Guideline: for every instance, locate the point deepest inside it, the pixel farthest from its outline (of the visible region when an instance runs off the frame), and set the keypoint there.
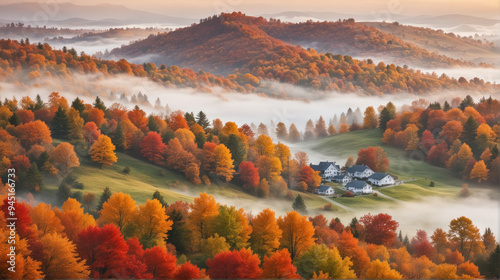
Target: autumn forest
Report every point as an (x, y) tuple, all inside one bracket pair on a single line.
[(244, 145)]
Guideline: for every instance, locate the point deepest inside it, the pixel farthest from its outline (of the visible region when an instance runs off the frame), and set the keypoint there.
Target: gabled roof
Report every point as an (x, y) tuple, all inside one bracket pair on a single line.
[(323, 188), (356, 184), (322, 166), (340, 177), (357, 168), (378, 176)]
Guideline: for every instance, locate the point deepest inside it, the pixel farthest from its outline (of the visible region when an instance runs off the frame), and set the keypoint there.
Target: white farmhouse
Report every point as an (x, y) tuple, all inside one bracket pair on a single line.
[(343, 179), (359, 187), (327, 170), (324, 190), (359, 171), (381, 179)]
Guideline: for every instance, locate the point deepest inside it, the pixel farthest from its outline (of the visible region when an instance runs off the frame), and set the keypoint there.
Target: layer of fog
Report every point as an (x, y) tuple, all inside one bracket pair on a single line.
[(228, 106), (248, 108)]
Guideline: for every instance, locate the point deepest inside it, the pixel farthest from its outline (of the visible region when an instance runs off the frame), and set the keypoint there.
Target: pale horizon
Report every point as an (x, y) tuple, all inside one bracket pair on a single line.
[(376, 8)]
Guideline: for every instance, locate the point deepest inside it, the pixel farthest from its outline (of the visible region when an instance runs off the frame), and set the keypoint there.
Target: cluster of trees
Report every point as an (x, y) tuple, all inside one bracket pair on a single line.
[(204, 239), (31, 62), (461, 136), (350, 121), (206, 46), (203, 151)]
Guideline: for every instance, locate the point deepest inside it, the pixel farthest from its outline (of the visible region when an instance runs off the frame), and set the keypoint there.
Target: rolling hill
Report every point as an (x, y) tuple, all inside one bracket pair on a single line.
[(236, 41), (448, 44)]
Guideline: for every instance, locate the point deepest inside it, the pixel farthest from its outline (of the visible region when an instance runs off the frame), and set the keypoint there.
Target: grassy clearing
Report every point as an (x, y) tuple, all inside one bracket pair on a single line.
[(403, 164), (145, 178)]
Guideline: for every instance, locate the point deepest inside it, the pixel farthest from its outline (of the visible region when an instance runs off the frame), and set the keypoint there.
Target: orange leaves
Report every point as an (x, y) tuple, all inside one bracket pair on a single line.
[(279, 266), (103, 151), (297, 233), (64, 157), (31, 133)]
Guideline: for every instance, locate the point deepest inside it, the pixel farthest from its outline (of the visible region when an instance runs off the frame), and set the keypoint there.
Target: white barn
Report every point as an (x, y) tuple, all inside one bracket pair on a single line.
[(327, 170), (381, 179), (360, 171), (324, 190), (343, 179), (359, 187)]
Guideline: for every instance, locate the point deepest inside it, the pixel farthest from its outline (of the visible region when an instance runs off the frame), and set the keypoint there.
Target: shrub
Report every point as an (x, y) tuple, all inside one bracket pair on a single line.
[(70, 179), (77, 195), (348, 194), (328, 207), (163, 173), (289, 195), (432, 184), (375, 194), (205, 180), (126, 170), (78, 185), (464, 191)]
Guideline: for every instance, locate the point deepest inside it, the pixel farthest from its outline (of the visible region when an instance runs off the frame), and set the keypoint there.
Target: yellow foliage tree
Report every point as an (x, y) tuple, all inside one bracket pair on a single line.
[(224, 167), (444, 271), (203, 209), (60, 259), (119, 210), (381, 270), (73, 218), (152, 223), (103, 151), (479, 172), (297, 233), (265, 145), (45, 219), (266, 233)]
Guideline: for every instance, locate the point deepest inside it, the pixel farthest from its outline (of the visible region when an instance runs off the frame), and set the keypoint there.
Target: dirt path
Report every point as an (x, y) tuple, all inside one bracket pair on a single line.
[(336, 203)]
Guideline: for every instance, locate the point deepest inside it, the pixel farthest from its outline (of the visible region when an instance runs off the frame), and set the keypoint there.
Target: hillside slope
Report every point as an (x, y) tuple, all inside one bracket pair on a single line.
[(360, 40), (448, 44)]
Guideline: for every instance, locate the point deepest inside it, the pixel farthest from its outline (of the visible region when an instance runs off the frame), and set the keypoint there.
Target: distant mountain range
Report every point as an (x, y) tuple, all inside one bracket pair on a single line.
[(68, 14)]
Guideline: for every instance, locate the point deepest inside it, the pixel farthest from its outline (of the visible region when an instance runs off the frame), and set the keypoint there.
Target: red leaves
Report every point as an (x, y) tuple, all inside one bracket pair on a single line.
[(105, 251), (160, 263), (379, 229), (153, 148), (234, 264), (248, 175)]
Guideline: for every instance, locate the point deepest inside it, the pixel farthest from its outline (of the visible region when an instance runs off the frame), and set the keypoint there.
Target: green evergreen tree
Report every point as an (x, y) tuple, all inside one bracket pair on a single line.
[(39, 104), (152, 125), (63, 193), (387, 114), (469, 131), (200, 139), (106, 194), (435, 106), (467, 102), (60, 124), (354, 229), (118, 138), (104, 129), (493, 264), (14, 119), (158, 196), (446, 106), (202, 120), (237, 148), (77, 104), (99, 104), (78, 195), (34, 177), (189, 118), (42, 159), (167, 136), (299, 205)]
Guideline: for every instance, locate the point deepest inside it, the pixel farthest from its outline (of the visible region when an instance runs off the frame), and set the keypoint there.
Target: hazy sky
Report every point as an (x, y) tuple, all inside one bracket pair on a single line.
[(198, 8)]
